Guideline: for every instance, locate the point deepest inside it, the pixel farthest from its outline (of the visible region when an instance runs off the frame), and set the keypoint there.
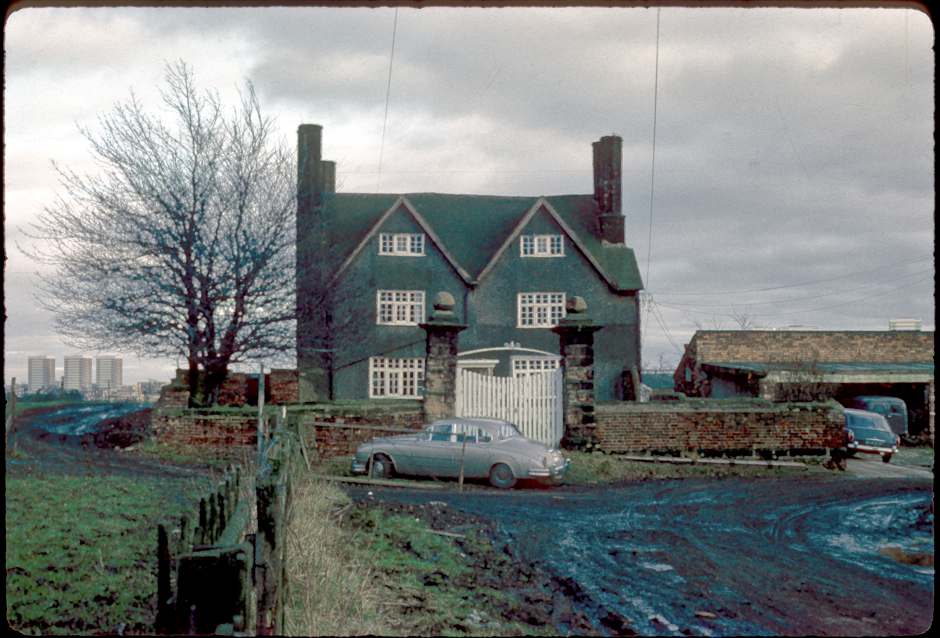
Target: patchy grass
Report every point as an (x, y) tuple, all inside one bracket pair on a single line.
[(81, 551), (594, 469), (332, 592), (921, 457), (591, 469), (354, 572), (193, 454)]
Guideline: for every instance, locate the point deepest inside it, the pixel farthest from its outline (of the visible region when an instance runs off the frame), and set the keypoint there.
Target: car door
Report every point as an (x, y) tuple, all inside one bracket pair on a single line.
[(432, 452), (475, 454)]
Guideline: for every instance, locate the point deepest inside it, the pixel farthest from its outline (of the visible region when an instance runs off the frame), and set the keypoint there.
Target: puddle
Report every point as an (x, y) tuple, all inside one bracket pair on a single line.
[(914, 559)]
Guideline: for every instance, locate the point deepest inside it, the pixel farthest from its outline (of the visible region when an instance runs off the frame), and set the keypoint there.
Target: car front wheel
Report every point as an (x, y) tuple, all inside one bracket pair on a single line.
[(886, 458), (381, 466), (501, 476)]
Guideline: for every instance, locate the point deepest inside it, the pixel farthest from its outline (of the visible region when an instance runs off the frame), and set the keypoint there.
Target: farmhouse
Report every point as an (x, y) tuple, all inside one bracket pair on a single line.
[(370, 265)]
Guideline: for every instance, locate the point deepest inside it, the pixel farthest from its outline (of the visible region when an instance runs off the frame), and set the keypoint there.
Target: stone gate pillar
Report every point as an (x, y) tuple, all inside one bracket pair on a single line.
[(576, 341), (440, 368)]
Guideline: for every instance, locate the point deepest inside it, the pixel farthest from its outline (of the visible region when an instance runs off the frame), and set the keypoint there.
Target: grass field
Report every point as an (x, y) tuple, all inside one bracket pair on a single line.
[(80, 551)]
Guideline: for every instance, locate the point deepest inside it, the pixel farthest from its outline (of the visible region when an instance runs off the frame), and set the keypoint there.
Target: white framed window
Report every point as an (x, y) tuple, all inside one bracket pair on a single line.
[(396, 377), (406, 244), (543, 246), (540, 309), (400, 307), (524, 366)]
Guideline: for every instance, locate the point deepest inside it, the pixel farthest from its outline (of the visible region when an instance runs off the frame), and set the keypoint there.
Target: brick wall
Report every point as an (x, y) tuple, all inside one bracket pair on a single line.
[(282, 386), (722, 427), (216, 429), (227, 428), (725, 346), (336, 442)]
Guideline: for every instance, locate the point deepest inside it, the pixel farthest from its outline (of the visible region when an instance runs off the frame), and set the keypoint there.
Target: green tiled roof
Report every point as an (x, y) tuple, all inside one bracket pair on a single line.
[(472, 228)]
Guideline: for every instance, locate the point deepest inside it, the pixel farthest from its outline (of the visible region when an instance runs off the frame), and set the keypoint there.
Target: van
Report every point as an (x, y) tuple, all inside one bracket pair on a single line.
[(894, 410)]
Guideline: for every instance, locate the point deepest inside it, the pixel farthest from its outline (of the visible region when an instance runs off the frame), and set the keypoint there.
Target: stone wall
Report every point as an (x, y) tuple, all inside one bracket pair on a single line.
[(719, 427)]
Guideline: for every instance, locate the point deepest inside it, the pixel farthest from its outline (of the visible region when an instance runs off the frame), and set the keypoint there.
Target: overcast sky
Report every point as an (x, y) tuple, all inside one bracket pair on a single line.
[(778, 163)]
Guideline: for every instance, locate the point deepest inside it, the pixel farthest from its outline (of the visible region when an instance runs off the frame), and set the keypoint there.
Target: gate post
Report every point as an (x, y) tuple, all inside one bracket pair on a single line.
[(440, 368), (576, 340)]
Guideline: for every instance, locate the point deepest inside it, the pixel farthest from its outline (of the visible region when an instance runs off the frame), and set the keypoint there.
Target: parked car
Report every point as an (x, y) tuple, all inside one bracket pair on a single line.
[(494, 449), (894, 410), (869, 433)]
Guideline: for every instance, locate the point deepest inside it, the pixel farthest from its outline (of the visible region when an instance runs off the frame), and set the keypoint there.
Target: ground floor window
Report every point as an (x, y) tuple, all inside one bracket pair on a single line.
[(396, 377)]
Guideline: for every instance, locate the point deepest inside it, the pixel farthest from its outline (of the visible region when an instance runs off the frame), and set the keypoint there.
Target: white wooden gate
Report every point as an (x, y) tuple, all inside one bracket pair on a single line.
[(532, 402)]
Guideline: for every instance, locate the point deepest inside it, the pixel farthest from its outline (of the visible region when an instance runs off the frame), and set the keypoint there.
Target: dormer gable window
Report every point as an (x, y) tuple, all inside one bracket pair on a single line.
[(543, 246), (402, 244)]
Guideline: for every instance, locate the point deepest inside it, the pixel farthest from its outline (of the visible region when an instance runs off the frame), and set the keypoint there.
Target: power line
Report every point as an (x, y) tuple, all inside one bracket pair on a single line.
[(828, 294), (808, 283), (799, 312), (388, 93), (649, 242)]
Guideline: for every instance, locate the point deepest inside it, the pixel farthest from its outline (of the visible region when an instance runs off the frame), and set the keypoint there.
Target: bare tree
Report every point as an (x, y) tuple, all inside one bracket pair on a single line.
[(183, 243), (801, 381), (744, 318)]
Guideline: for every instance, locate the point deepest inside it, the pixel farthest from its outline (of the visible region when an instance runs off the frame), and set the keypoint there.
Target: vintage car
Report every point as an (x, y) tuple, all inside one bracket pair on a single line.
[(894, 410), (869, 433), (488, 448)]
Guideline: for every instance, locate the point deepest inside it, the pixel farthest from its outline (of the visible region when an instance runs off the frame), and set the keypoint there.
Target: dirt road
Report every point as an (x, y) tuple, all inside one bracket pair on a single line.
[(726, 557)]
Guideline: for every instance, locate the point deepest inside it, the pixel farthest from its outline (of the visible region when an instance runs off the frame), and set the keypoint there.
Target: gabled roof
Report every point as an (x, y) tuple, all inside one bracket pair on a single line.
[(473, 230)]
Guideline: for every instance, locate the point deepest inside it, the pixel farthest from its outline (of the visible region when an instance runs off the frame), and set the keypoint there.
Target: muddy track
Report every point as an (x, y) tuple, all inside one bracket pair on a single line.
[(738, 556), (51, 446)]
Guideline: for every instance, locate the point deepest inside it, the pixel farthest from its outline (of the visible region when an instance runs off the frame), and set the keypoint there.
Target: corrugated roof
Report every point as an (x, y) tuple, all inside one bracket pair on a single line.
[(473, 227)]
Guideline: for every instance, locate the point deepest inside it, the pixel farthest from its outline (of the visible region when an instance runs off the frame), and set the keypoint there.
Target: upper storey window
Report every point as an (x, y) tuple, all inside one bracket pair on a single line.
[(543, 246), (406, 244)]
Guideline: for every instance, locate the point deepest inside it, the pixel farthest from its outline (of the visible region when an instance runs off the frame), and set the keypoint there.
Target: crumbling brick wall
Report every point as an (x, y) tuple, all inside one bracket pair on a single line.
[(226, 428), (721, 427), (282, 386), (332, 442), (221, 429)]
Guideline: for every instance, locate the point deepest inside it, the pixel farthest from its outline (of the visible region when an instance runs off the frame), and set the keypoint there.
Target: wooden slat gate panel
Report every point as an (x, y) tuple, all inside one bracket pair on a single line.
[(532, 402)]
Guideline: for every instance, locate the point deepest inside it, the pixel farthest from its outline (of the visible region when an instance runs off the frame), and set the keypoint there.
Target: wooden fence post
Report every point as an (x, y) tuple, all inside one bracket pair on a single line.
[(164, 568), (267, 567)]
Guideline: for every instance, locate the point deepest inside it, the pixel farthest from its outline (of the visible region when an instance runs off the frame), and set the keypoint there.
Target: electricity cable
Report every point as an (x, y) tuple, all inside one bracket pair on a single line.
[(808, 283), (388, 93), (828, 294), (798, 312)]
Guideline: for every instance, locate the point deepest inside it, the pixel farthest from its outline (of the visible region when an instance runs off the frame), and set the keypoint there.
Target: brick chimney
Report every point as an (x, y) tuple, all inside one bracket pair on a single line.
[(315, 178), (607, 188)]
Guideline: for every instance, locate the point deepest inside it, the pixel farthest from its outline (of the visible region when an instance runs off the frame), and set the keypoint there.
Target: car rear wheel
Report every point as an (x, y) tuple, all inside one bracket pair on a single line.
[(381, 466), (501, 476), (886, 458)]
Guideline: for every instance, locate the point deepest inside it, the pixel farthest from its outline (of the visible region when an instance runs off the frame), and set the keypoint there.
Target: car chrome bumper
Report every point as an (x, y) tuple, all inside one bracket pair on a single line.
[(871, 449), (549, 471), (358, 467)]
